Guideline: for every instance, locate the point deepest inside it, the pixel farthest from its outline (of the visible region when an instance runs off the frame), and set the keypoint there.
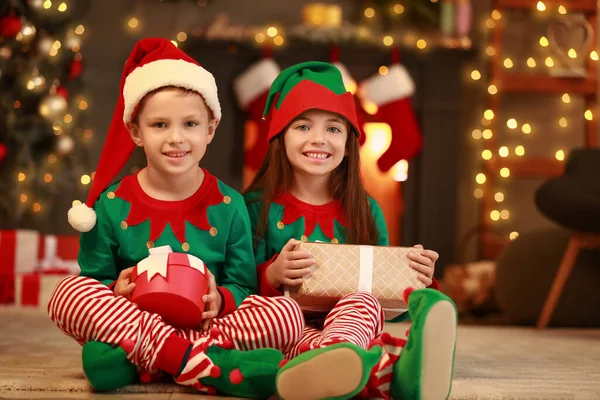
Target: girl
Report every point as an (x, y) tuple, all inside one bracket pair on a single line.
[(309, 188)]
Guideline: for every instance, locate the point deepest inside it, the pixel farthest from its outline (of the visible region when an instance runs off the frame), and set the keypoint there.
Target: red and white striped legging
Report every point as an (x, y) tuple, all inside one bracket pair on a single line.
[(87, 310), (357, 318)]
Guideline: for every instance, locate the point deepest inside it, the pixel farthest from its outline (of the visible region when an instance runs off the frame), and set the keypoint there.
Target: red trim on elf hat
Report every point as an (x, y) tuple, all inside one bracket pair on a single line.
[(309, 95), (153, 63)]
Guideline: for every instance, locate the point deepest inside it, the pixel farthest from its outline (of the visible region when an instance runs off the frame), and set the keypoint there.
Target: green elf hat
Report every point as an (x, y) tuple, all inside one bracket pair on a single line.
[(307, 86)]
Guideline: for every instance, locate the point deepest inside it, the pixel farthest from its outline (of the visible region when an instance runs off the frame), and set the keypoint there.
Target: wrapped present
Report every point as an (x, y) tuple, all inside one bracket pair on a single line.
[(33, 290), (18, 255), (343, 269), (58, 252)]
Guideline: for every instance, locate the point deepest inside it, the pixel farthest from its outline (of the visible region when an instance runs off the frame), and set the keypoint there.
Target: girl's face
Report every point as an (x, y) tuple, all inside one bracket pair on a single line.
[(174, 128), (315, 142)]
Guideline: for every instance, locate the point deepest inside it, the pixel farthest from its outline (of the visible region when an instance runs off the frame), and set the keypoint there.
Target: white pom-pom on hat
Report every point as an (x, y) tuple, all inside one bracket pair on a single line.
[(81, 217)]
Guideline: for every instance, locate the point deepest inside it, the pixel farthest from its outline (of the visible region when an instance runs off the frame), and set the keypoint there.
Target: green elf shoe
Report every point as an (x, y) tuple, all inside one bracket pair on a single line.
[(424, 370), (336, 372), (106, 367), (215, 367)]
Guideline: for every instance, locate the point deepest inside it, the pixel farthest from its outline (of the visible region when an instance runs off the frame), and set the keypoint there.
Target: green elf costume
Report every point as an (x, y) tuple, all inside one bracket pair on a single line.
[(120, 224), (375, 364)]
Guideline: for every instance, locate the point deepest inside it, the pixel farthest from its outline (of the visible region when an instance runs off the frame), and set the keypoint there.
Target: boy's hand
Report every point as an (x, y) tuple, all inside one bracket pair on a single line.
[(124, 287), (423, 261), (212, 302), (290, 266)]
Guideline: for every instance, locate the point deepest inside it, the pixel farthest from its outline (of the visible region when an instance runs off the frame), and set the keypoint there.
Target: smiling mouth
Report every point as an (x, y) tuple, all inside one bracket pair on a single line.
[(317, 156), (176, 154)]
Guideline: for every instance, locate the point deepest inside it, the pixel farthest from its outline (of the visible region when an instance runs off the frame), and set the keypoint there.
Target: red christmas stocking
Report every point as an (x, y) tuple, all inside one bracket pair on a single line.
[(391, 94), (251, 90), (350, 84)]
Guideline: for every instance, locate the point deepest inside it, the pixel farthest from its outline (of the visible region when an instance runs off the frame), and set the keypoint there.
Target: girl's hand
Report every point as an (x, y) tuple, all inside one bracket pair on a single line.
[(212, 302), (423, 261), (290, 266), (124, 286)]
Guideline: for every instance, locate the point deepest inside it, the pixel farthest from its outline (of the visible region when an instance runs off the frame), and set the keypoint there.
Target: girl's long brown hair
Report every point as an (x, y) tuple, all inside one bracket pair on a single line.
[(275, 176)]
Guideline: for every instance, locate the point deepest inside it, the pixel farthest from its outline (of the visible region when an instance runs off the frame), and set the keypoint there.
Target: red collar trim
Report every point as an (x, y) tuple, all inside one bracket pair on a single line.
[(163, 212), (325, 215)]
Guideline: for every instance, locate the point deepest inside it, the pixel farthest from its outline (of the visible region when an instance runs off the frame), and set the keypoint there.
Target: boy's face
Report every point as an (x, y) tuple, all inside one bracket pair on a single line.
[(315, 142), (174, 127)]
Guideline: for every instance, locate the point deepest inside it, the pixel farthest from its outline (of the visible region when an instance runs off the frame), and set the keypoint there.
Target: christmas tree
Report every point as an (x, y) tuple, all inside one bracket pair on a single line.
[(43, 138)]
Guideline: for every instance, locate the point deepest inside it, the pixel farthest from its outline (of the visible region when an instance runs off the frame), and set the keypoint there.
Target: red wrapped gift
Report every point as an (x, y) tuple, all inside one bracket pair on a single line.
[(59, 252), (18, 255), (171, 285), (34, 289)]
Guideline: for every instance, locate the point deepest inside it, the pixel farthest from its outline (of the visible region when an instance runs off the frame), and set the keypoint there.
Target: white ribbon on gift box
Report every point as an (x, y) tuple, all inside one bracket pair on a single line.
[(52, 260)]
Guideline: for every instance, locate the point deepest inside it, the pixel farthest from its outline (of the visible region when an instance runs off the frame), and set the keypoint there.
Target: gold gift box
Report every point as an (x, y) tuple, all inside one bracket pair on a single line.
[(342, 269)]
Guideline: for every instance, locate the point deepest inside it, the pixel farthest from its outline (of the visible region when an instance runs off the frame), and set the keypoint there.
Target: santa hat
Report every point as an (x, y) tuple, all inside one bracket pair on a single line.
[(307, 86), (154, 63)]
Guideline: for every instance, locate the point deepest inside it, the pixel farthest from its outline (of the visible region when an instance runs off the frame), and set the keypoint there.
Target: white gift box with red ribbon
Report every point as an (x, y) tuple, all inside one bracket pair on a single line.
[(32, 264)]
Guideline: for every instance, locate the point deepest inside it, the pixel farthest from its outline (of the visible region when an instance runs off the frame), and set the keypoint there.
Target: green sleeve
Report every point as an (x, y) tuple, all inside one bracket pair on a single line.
[(239, 274), (98, 248), (383, 239)]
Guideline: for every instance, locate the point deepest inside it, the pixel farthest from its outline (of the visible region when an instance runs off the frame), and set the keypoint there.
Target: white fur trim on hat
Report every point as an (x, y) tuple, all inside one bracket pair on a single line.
[(81, 217), (395, 85), (161, 73), (254, 81)]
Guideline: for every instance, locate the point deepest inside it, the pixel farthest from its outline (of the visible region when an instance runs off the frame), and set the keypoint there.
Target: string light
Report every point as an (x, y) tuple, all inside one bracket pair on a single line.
[(486, 155), (21, 177), (496, 15), (75, 203), (563, 122), (37, 207), (47, 178), (478, 193), (383, 70), (562, 10), (490, 24), (487, 134), (492, 89), (594, 55), (503, 151), (572, 53), (504, 214), (560, 155), (398, 8), (544, 41), (531, 62), (526, 128), (499, 197), (85, 179), (278, 40), (421, 44), (475, 75), (272, 31), (520, 151), (512, 123), (513, 235), (588, 115), (369, 12), (23, 198), (388, 40), (480, 178), (495, 215), (488, 114), (541, 6), (182, 36), (175, 43), (80, 29), (133, 22), (508, 63), (504, 172), (62, 7), (490, 51), (476, 134), (566, 98), (260, 37), (549, 62), (47, 4)]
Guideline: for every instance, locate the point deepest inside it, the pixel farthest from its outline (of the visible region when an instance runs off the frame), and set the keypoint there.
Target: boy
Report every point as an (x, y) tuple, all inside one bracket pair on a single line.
[(169, 107)]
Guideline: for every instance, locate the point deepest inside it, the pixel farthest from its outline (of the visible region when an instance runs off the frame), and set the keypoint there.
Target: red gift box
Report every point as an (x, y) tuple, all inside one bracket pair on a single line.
[(171, 285), (58, 252), (18, 255)]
